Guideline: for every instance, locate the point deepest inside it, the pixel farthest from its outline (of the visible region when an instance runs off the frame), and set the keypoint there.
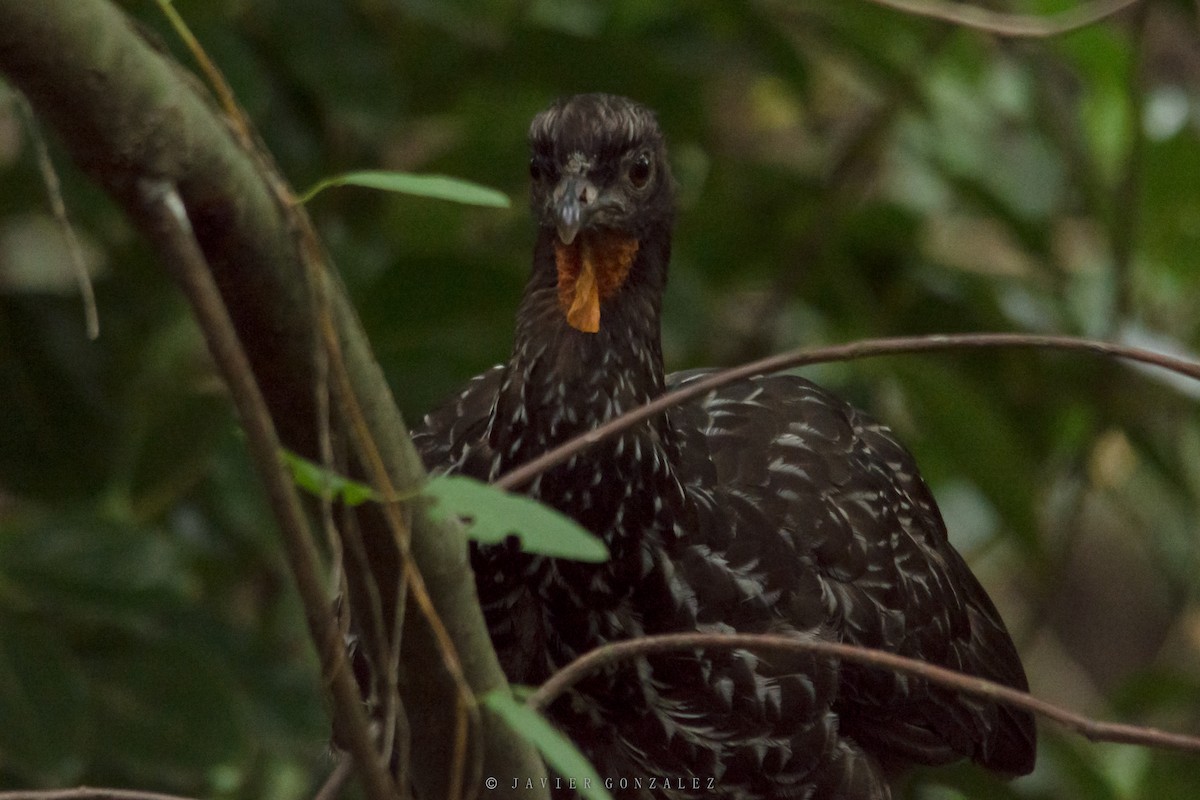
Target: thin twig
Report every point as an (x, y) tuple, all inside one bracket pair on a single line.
[(333, 785), (242, 127), (467, 754), (466, 711), (1096, 731), (216, 79), (58, 208), (804, 356), (88, 793), (410, 580), (1127, 201), (1025, 26), (168, 221)]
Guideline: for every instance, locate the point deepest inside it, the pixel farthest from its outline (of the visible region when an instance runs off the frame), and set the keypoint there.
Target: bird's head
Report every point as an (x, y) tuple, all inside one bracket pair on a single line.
[(602, 189)]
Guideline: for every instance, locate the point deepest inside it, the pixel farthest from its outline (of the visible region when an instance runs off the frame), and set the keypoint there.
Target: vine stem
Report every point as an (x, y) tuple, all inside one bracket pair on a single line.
[(998, 23), (169, 225), (1095, 730), (521, 475)]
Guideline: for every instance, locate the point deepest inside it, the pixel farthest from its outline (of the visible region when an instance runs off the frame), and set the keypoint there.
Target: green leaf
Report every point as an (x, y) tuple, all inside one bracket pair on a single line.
[(562, 756), (440, 187), (493, 515), (315, 479)]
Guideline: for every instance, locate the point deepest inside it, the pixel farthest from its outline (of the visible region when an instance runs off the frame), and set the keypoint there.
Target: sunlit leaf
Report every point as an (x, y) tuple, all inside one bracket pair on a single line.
[(317, 480), (439, 187), (562, 756), (493, 515)]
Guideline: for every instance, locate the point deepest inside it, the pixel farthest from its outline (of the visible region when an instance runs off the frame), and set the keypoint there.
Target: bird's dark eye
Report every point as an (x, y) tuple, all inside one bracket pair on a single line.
[(639, 171), (542, 169)]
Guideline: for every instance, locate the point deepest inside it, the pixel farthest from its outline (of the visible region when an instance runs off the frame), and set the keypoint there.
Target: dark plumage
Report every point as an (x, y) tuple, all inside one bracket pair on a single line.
[(769, 506)]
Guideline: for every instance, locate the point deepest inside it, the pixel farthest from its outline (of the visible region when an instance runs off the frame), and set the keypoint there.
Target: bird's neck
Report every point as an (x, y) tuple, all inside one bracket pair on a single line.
[(561, 382)]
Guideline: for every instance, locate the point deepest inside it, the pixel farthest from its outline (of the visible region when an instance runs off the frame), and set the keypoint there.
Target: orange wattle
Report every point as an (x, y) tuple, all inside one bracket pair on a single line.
[(590, 269)]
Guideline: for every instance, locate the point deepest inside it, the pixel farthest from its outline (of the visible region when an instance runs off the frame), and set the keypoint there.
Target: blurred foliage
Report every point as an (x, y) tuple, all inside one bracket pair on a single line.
[(846, 171)]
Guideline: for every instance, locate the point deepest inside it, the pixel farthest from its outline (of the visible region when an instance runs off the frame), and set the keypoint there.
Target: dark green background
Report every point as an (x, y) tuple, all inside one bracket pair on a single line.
[(846, 171)]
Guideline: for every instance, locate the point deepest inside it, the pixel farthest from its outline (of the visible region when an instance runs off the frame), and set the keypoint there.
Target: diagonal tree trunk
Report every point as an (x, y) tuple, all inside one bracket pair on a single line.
[(126, 112)]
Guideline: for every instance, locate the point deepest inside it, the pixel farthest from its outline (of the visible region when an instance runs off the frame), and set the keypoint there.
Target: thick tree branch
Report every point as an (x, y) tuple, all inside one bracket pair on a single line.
[(127, 113)]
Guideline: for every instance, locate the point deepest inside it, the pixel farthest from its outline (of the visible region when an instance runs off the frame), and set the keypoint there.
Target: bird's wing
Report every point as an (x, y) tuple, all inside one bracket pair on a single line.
[(814, 489)]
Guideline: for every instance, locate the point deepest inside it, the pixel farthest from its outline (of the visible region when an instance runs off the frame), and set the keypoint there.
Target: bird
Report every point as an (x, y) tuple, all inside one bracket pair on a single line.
[(767, 506)]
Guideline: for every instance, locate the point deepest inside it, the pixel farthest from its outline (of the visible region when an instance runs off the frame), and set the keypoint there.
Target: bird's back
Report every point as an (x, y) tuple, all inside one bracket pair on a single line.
[(830, 515)]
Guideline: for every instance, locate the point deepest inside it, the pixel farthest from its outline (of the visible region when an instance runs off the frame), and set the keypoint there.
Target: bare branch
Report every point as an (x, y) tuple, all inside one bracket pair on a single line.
[(1127, 203), (332, 788), (466, 712), (88, 793), (216, 78), (125, 111), (804, 356), (1097, 731), (1025, 26), (168, 222), (58, 208)]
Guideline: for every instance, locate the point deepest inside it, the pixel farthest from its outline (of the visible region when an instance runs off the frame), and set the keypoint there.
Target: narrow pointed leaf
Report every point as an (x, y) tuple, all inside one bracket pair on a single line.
[(492, 515), (562, 756), (315, 479), (439, 187)]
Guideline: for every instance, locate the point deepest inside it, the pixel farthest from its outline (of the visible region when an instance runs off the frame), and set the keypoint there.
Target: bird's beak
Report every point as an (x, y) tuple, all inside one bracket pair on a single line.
[(573, 199), (591, 266)]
